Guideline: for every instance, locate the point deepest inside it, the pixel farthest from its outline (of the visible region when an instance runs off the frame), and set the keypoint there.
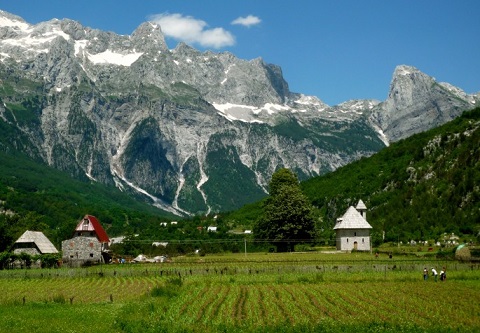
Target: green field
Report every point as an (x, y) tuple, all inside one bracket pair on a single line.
[(299, 292)]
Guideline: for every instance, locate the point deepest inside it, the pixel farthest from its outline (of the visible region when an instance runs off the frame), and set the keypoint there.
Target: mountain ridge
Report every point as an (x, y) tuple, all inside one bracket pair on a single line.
[(195, 132)]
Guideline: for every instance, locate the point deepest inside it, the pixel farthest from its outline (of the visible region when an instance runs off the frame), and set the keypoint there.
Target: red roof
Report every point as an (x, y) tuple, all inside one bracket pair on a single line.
[(94, 225)]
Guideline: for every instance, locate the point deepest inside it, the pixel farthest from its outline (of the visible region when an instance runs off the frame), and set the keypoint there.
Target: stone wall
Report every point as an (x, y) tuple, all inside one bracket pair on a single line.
[(33, 251), (80, 250)]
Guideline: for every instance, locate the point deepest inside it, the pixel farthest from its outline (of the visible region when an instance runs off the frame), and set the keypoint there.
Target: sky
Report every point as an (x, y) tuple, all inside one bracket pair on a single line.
[(337, 50)]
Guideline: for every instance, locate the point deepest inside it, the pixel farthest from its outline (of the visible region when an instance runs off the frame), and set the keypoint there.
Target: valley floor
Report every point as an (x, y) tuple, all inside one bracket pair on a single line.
[(255, 293)]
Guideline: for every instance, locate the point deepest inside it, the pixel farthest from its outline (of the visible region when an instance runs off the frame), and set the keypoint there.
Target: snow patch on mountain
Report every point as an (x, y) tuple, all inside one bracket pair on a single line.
[(8, 20), (203, 176), (114, 58), (80, 46), (249, 113), (32, 38), (156, 201), (310, 100)]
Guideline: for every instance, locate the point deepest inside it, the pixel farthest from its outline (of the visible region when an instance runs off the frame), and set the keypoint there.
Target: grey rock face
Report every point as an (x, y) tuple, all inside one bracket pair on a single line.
[(416, 102), (194, 132)]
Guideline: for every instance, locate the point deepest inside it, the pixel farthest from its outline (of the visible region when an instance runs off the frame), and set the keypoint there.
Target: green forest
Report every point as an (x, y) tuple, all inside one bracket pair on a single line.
[(416, 189)]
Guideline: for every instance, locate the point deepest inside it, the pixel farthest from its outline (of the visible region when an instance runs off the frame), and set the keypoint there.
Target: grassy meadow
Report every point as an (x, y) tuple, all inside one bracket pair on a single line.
[(294, 292)]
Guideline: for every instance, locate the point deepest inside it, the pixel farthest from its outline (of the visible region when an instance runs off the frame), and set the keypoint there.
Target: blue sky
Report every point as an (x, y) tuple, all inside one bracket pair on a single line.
[(336, 50)]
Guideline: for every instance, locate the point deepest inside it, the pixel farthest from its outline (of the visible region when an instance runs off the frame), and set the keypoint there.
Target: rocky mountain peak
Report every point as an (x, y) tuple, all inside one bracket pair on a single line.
[(73, 28), (415, 102), (183, 49), (10, 20), (402, 70), (148, 36), (407, 84)]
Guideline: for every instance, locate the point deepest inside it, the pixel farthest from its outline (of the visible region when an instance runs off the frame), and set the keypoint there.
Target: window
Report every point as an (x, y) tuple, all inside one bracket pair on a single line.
[(91, 255), (363, 240), (347, 240)]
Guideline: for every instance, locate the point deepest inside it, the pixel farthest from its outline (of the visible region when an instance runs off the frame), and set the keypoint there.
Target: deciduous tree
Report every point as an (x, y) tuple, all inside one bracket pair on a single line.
[(287, 216)]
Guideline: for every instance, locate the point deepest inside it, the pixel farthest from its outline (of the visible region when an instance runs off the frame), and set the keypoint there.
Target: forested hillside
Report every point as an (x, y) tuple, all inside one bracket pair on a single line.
[(419, 188), (36, 197)]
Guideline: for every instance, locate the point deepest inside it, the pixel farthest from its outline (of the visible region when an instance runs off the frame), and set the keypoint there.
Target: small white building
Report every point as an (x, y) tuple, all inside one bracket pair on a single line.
[(353, 230)]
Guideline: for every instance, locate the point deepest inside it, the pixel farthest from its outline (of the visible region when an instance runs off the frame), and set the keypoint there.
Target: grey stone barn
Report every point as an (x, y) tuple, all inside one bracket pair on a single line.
[(88, 245), (353, 230), (34, 243)]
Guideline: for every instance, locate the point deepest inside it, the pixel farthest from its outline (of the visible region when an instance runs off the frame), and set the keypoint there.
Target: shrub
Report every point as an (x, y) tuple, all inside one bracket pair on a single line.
[(170, 289), (59, 299), (162, 291)]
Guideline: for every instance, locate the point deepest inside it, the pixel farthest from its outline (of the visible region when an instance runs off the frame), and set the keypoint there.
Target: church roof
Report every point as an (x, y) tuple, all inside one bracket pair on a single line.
[(352, 219), (39, 239), (361, 205)]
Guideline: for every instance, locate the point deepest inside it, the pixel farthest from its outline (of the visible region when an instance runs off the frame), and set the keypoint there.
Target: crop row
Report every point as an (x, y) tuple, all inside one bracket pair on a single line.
[(424, 304), (258, 300), (76, 290)]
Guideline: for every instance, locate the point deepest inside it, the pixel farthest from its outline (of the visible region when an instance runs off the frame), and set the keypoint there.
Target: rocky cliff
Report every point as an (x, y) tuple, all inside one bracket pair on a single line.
[(417, 102), (190, 131)]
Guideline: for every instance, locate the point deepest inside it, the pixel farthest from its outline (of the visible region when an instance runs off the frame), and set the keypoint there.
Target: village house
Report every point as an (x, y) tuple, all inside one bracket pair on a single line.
[(88, 245), (353, 230), (34, 243)]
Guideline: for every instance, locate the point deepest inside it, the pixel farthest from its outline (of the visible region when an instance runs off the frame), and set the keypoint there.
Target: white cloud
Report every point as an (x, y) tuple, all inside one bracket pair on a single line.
[(193, 31), (247, 21)]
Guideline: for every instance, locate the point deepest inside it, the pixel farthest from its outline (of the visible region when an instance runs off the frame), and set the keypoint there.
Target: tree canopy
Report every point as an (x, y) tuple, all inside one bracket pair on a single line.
[(287, 216)]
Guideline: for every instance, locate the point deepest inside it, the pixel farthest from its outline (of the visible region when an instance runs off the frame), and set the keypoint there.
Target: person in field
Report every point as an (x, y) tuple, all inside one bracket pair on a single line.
[(425, 274), (443, 274), (434, 273)]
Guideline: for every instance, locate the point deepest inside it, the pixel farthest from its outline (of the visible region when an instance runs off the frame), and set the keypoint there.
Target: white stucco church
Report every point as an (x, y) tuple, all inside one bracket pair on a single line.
[(353, 230)]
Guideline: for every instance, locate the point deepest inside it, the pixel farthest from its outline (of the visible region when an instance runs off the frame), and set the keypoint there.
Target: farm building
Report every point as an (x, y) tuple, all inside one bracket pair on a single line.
[(88, 245), (33, 243), (353, 230), (212, 229)]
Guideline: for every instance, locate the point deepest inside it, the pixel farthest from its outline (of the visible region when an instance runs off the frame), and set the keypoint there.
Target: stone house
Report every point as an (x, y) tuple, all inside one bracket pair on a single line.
[(353, 230), (33, 243), (88, 245)]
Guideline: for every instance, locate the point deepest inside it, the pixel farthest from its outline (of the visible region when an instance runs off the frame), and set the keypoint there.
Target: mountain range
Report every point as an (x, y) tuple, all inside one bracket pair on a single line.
[(192, 132)]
